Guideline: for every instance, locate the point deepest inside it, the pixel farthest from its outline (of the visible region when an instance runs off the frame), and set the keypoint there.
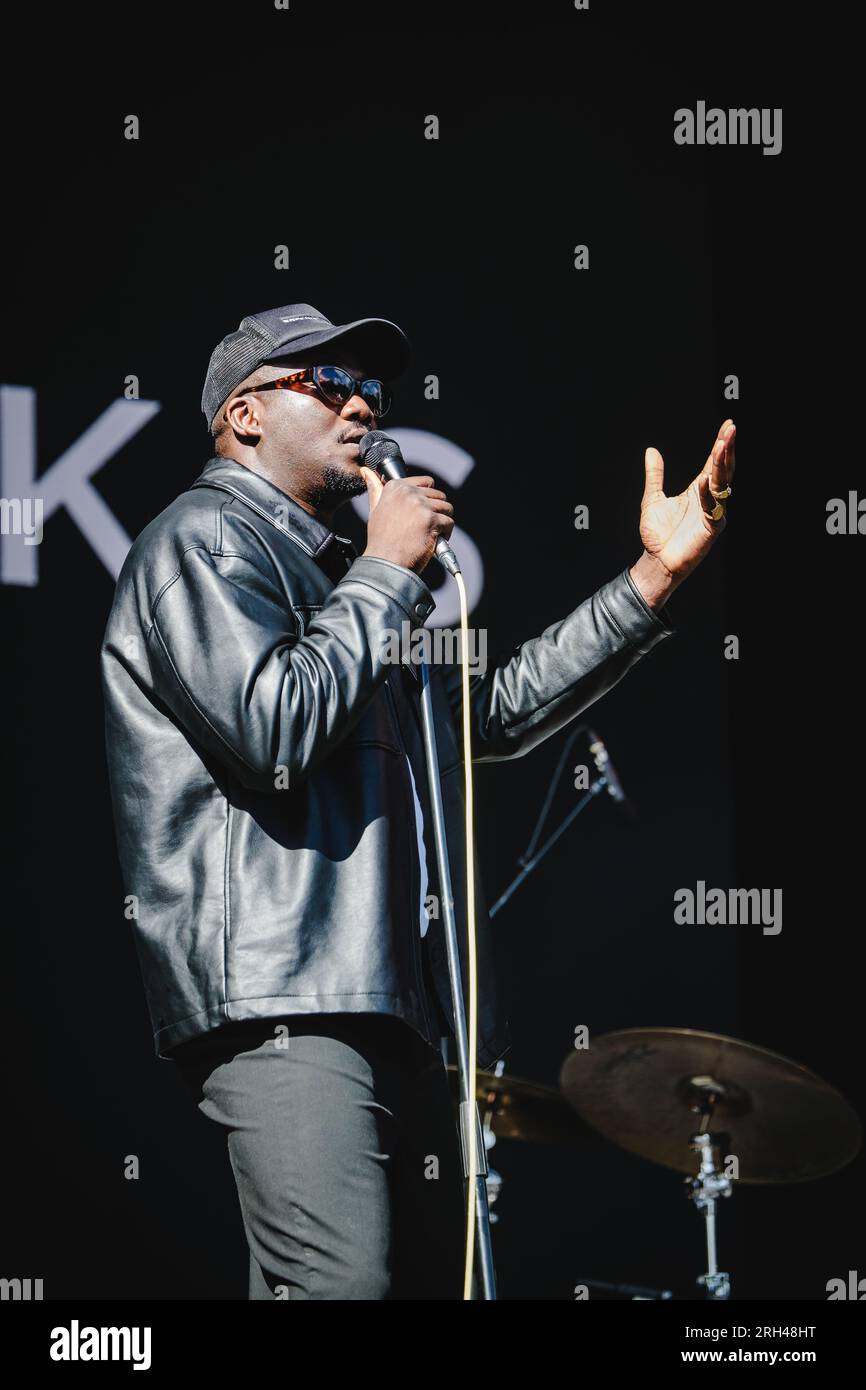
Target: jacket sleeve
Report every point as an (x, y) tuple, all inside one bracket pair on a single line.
[(227, 658), (550, 679)]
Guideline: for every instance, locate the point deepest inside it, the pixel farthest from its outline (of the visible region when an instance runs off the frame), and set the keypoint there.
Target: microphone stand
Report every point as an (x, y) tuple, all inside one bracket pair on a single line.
[(528, 859), (468, 1105)]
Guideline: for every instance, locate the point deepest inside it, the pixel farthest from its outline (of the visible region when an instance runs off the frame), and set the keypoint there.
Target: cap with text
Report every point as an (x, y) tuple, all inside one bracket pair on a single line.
[(291, 331)]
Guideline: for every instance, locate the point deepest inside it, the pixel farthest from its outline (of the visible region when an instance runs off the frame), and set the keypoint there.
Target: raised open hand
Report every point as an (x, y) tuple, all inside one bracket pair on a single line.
[(678, 532)]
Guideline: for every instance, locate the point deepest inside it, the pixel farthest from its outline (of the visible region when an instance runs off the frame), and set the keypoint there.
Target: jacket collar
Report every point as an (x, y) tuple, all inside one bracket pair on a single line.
[(283, 512), (270, 502)]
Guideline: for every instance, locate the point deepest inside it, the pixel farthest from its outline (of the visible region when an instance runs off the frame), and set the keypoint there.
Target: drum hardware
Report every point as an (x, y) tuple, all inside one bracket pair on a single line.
[(642, 1087)]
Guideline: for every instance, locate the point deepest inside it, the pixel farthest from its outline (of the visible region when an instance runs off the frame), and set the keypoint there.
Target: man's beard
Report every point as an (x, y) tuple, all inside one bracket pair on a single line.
[(337, 485)]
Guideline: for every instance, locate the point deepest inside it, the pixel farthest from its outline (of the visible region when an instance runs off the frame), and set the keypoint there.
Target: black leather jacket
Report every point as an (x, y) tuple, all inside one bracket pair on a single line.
[(256, 741)]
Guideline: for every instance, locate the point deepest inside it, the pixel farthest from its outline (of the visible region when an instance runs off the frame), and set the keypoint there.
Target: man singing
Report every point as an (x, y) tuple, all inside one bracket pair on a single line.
[(272, 809)]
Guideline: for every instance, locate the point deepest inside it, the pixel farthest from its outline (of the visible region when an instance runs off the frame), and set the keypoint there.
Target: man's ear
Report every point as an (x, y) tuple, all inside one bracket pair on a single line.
[(242, 415)]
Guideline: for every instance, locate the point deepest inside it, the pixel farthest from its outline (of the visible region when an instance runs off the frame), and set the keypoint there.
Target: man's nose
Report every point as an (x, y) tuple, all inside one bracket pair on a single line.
[(357, 408)]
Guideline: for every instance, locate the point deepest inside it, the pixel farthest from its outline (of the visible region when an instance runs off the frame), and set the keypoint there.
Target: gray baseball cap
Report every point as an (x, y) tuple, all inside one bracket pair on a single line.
[(290, 331)]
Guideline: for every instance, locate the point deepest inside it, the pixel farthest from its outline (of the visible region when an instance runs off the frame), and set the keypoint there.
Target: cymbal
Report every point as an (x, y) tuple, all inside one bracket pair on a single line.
[(783, 1123), (520, 1109)]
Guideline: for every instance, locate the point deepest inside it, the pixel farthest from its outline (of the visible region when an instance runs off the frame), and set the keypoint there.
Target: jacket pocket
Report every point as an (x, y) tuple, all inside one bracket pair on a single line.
[(304, 613)]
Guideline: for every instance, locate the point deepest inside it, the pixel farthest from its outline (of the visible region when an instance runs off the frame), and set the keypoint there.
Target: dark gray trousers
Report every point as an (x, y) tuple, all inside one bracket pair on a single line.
[(342, 1141)]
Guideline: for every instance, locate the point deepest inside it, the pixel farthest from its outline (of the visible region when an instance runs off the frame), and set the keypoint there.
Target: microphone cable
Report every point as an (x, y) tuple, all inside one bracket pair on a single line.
[(382, 453), (471, 949)]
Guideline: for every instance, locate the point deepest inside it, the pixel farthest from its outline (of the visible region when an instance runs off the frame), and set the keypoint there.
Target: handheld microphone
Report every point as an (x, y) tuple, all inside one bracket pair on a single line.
[(380, 452), (601, 758)]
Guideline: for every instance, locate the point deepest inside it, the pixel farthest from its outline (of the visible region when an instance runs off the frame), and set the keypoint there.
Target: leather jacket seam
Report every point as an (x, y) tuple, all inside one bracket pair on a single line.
[(614, 622), (225, 1002), (383, 593), (421, 591), (562, 694), (227, 902), (305, 994), (173, 578), (189, 696), (238, 555), (218, 525), (629, 642), (261, 511), (660, 620), (222, 554)]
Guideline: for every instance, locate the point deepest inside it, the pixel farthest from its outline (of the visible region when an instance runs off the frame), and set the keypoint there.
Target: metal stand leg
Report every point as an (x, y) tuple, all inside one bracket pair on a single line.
[(468, 1106), (704, 1191)]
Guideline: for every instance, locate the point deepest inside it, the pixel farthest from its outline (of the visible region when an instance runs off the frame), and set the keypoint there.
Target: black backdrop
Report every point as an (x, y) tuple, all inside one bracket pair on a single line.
[(136, 257)]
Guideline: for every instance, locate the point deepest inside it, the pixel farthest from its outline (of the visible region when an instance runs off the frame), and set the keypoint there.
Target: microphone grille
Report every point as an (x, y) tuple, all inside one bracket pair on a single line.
[(375, 447)]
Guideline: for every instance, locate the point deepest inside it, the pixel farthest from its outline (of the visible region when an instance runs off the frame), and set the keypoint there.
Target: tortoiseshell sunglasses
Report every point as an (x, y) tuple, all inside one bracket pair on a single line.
[(336, 386)]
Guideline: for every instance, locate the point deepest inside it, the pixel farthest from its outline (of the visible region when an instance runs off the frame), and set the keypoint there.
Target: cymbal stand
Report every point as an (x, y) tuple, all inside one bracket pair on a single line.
[(706, 1189)]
